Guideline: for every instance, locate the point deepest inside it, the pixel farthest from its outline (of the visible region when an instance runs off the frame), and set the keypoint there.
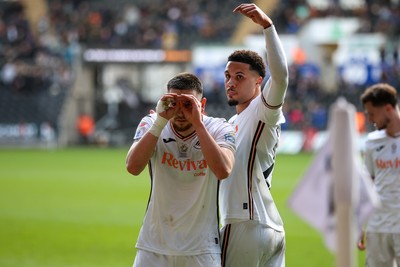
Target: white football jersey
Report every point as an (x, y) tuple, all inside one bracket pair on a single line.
[(246, 195), (382, 159), (182, 213)]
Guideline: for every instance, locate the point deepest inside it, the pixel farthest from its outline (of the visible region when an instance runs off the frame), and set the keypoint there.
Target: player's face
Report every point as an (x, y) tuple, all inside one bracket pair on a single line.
[(241, 84), (377, 115), (180, 123)]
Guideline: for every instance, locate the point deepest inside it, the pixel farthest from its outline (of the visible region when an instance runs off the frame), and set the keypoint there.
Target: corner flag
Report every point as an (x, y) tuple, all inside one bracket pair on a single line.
[(313, 199)]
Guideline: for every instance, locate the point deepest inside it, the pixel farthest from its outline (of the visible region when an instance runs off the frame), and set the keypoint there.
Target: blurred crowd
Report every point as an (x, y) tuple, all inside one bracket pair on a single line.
[(376, 15), (169, 24), (28, 61), (307, 104)]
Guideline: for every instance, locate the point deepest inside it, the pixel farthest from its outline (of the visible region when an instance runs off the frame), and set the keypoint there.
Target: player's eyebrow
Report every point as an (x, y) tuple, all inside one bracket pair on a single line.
[(236, 73)]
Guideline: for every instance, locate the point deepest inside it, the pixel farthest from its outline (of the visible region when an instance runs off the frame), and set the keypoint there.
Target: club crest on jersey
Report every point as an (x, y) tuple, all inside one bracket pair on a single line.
[(183, 149)]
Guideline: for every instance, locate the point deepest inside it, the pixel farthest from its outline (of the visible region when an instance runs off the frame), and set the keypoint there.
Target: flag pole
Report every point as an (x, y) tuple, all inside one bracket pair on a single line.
[(344, 172)]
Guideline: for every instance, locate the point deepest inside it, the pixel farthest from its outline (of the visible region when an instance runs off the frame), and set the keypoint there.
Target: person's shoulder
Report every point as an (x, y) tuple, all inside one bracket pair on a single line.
[(209, 119), (376, 135), (215, 122), (233, 118), (375, 138)]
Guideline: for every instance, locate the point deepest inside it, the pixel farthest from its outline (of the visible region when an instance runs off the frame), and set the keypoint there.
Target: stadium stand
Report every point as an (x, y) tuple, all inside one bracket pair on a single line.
[(144, 24), (34, 81), (40, 45)]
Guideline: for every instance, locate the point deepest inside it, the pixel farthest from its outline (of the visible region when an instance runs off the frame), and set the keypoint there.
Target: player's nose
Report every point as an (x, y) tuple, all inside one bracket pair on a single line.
[(230, 83)]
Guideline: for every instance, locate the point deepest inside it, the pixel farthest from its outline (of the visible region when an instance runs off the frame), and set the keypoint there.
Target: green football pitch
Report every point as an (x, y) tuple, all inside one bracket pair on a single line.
[(79, 207)]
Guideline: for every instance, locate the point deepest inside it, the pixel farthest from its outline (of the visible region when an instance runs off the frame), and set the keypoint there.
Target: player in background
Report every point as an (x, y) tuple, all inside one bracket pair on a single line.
[(252, 230), (382, 159), (187, 153)]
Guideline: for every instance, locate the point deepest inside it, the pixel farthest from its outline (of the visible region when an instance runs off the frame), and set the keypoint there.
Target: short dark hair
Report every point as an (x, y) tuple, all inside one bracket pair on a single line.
[(249, 57), (379, 95), (186, 81)]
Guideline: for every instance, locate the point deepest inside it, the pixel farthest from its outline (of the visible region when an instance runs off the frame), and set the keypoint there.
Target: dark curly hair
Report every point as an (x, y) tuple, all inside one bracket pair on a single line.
[(249, 57), (186, 81)]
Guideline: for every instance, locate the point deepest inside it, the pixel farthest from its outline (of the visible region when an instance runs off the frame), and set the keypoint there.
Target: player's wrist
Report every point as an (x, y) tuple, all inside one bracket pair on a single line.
[(158, 126), (197, 125), (268, 27)]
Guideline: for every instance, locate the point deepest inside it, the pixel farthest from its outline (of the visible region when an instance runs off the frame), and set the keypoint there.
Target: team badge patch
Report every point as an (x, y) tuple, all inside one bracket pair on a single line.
[(140, 132), (229, 138)]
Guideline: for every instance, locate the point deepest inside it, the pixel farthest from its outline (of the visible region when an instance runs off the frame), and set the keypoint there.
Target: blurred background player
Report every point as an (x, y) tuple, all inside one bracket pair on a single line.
[(252, 229), (186, 153), (382, 159)]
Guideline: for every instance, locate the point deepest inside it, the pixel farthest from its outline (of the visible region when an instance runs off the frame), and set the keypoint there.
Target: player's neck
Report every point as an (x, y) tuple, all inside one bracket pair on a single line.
[(242, 106), (393, 129)]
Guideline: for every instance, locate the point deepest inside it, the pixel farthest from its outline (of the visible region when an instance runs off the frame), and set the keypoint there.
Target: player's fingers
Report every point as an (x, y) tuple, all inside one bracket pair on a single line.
[(244, 8), (252, 14), (237, 8), (168, 96), (241, 8), (195, 102), (167, 101), (361, 245), (187, 98)]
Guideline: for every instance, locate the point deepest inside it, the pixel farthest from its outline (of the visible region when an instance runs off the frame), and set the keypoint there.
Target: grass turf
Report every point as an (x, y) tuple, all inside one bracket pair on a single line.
[(79, 207)]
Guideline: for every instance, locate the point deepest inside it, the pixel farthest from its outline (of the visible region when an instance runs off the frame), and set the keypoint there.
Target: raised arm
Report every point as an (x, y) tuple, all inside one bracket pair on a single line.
[(275, 88)]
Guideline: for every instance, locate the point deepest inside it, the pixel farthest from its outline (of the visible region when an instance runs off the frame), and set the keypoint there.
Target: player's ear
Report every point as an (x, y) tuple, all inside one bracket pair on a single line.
[(203, 104), (389, 107), (259, 80)]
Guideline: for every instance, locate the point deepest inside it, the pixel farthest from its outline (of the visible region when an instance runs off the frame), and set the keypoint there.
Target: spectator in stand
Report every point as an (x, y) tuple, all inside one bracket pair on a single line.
[(85, 126), (319, 116)]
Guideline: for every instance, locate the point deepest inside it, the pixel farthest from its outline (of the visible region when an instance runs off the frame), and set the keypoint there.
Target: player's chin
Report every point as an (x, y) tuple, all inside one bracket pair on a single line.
[(232, 102), (181, 126)]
